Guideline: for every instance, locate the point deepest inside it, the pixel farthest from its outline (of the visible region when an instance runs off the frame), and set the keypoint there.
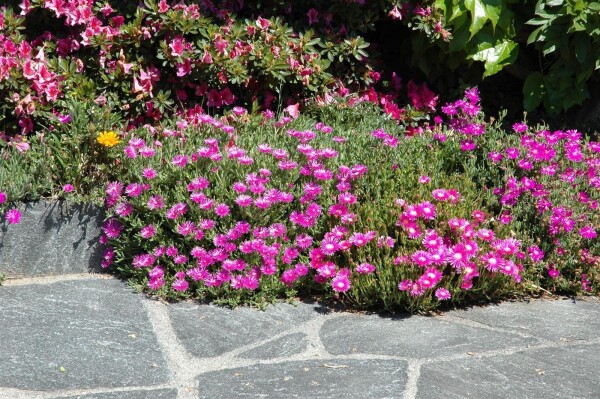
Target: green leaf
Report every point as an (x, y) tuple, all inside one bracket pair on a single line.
[(581, 49), (533, 91), (483, 11), (495, 57)]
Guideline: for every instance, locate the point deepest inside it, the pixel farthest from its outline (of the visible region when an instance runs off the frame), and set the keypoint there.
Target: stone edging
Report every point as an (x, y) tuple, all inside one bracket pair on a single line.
[(53, 238)]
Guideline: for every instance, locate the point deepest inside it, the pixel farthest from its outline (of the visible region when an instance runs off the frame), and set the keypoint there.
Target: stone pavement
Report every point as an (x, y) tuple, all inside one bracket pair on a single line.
[(88, 336)]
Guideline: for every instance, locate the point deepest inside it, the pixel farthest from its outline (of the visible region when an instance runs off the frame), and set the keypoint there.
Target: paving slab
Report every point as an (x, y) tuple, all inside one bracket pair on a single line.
[(53, 238), (77, 334), (551, 373), (413, 337), (314, 379), (139, 394), (288, 345), (207, 331), (561, 319)]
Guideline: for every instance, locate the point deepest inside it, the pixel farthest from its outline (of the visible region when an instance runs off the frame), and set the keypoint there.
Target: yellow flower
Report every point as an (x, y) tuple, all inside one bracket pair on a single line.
[(108, 138)]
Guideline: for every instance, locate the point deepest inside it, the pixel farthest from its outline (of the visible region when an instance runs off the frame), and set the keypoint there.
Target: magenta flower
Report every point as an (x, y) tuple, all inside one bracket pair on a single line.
[(13, 216), (114, 189), (180, 161), (2, 197), (148, 231), (149, 173), (155, 284), (426, 210), (535, 253), (588, 232), (340, 283), (143, 260), (222, 210), (67, 188), (553, 272), (424, 179), (155, 202), (112, 228), (180, 285), (421, 258), (329, 245), (442, 294), (124, 209), (520, 127), (365, 268)]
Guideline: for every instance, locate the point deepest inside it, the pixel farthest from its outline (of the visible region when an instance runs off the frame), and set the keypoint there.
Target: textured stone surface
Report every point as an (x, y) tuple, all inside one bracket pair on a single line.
[(207, 331), (556, 320), (313, 379), (76, 334), (52, 238), (566, 372), (143, 394), (287, 345), (416, 337)]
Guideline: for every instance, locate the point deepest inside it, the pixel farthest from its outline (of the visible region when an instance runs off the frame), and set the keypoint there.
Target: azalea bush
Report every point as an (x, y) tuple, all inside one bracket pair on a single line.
[(154, 60)]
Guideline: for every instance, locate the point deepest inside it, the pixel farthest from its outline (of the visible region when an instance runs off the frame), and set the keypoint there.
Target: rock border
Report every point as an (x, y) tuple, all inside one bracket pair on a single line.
[(53, 238)]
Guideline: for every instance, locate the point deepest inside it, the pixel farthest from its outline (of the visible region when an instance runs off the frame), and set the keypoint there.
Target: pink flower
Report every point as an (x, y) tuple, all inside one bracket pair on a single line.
[(421, 97), (421, 258), (155, 202), (177, 46), (180, 285), (340, 283), (553, 272), (222, 210), (329, 245), (365, 268), (112, 228), (293, 110), (67, 188), (588, 232), (13, 216), (114, 189), (520, 127), (143, 260), (149, 173), (395, 13), (180, 161), (2, 197), (442, 294), (313, 16), (148, 231), (535, 253), (155, 284), (426, 210)]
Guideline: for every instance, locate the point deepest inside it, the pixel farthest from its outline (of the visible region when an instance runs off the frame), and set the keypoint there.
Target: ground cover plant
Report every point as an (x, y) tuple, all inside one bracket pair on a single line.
[(225, 177)]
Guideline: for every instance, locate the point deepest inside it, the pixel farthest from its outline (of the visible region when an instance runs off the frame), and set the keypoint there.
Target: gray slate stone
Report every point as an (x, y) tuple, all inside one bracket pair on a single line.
[(207, 331), (373, 379), (143, 394), (554, 320), (288, 345), (52, 238), (96, 330), (415, 337), (554, 373)]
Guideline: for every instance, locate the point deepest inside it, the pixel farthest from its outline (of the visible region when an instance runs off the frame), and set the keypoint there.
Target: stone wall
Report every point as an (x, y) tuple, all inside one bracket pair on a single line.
[(53, 237)]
